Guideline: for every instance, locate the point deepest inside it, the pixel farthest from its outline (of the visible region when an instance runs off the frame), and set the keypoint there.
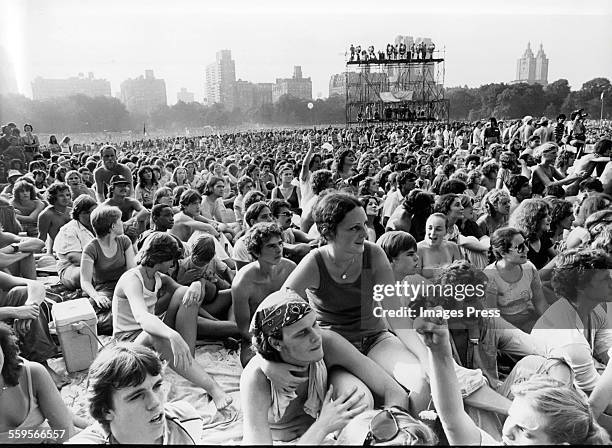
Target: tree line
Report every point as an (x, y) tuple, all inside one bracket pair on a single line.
[(79, 113), (505, 101)]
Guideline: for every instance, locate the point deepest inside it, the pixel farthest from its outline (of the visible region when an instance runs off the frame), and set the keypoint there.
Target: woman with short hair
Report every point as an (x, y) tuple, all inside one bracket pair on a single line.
[(105, 259), (151, 309), (338, 280), (514, 284)]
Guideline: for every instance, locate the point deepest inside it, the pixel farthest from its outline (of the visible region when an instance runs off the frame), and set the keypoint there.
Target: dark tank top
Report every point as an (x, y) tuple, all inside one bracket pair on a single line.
[(292, 199), (346, 308)]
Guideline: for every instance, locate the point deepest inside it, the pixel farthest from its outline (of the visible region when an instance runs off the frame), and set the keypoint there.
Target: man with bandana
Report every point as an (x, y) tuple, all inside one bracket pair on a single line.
[(335, 381)]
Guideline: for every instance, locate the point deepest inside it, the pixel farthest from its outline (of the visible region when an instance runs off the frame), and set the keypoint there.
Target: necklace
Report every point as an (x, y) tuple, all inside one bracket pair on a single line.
[(344, 275)]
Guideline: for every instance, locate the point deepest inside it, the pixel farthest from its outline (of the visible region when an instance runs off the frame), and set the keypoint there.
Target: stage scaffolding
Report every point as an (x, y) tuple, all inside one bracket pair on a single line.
[(388, 91)]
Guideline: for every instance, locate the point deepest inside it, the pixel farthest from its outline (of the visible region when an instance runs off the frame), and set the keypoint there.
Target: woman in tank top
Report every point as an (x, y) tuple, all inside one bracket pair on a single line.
[(514, 283), (286, 190), (151, 309), (343, 282), (29, 400)]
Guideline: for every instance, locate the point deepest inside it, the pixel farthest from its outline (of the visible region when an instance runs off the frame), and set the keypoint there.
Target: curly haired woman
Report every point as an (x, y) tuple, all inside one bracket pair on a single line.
[(532, 218)]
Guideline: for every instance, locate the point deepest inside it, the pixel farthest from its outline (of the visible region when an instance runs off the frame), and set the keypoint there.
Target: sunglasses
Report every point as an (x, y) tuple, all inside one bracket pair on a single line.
[(384, 426), (286, 214), (520, 248)]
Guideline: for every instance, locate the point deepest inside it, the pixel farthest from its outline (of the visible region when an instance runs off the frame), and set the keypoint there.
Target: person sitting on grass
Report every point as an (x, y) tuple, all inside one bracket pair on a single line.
[(216, 278), (72, 239), (336, 382), (168, 322), (127, 398), (55, 215), (258, 279)]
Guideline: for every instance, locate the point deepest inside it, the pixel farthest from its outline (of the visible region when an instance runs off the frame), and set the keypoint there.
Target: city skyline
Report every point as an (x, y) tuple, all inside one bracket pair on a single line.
[(120, 40)]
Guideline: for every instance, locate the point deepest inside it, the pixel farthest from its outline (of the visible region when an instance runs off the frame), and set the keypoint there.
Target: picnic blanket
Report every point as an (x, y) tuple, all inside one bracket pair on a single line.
[(220, 428)]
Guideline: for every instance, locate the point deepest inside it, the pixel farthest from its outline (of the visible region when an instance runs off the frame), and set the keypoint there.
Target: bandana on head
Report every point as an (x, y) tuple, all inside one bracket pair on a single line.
[(270, 320)]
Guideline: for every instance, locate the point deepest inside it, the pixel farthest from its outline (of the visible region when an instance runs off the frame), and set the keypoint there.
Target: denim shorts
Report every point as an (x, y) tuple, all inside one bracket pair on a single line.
[(367, 343)]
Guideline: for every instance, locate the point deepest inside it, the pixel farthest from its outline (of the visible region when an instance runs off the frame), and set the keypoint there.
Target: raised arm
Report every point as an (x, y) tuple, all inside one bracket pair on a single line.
[(458, 426), (305, 171)]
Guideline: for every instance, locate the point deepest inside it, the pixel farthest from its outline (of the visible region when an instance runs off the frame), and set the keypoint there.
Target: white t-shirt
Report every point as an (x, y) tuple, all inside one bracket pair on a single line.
[(562, 334), (394, 199)]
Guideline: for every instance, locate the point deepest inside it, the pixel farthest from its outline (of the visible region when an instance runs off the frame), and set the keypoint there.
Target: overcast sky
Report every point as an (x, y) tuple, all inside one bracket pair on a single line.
[(120, 39)]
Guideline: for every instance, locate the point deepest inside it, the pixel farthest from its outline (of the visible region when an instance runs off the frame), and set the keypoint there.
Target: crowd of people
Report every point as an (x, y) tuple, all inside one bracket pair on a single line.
[(280, 243)]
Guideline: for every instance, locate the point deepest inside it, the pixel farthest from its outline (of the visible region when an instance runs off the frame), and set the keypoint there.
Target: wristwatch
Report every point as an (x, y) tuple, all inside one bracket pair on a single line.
[(15, 247)]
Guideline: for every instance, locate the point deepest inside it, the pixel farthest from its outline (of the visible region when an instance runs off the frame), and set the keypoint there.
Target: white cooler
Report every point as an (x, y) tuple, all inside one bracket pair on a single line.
[(75, 324)]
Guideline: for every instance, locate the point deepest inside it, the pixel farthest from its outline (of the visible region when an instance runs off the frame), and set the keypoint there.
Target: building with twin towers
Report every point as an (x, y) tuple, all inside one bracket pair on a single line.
[(530, 69)]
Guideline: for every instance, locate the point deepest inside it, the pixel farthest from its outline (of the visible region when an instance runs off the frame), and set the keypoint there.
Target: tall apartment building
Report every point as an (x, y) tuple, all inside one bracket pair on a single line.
[(530, 69), (43, 88), (221, 79), (263, 93), (144, 94), (337, 84), (248, 95), (297, 86), (185, 96)]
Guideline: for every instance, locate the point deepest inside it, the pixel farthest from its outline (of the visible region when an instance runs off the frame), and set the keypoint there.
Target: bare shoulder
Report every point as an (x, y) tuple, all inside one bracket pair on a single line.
[(254, 382), (47, 211), (287, 265), (422, 245), (245, 274), (375, 249)]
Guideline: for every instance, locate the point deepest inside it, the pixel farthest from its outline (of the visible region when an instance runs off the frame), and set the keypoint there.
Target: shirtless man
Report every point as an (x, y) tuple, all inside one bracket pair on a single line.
[(188, 220), (110, 168), (258, 279), (55, 215)]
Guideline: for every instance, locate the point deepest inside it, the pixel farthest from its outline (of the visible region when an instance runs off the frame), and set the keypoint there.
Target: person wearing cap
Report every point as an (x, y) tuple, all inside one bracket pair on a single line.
[(12, 177), (545, 133), (109, 168), (133, 214), (305, 382)]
